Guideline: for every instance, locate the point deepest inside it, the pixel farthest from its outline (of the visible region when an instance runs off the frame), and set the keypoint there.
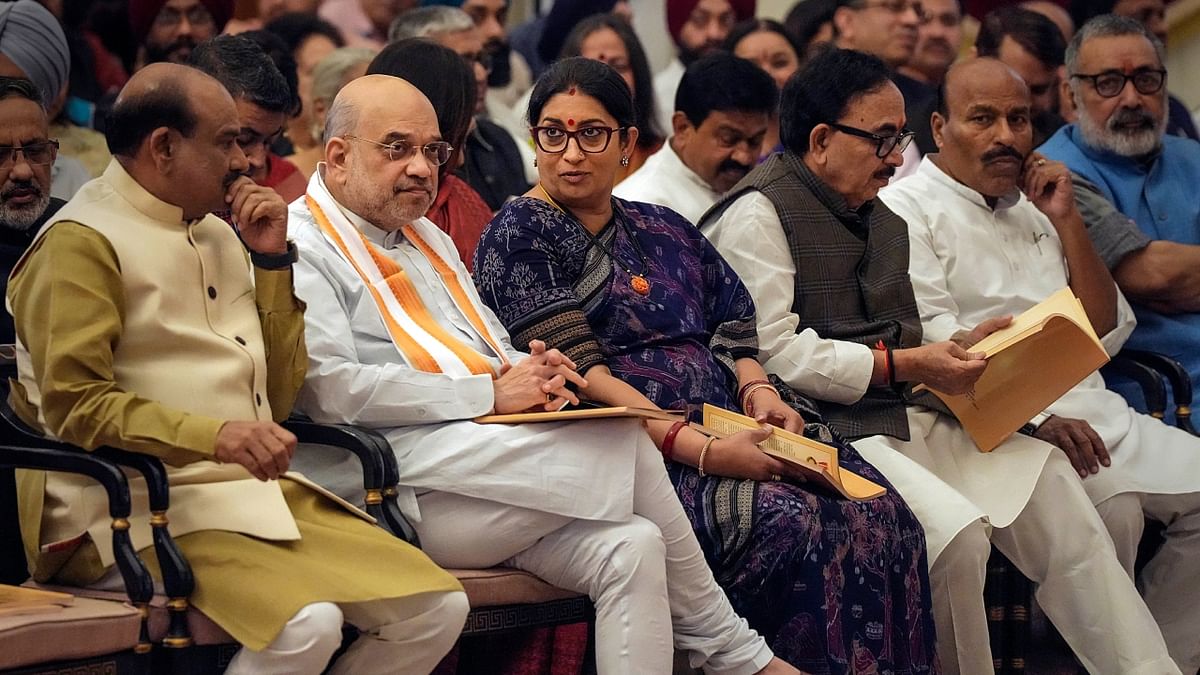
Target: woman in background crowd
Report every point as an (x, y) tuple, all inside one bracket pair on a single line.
[(609, 39), (310, 39), (769, 45)]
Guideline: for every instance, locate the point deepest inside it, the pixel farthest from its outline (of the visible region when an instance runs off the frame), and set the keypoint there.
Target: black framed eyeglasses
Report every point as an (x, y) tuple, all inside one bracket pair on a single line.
[(1111, 83), (40, 153), (436, 153), (884, 145), (589, 139)]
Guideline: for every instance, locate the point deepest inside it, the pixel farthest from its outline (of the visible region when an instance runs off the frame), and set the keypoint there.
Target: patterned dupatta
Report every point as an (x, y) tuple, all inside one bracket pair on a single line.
[(422, 342)]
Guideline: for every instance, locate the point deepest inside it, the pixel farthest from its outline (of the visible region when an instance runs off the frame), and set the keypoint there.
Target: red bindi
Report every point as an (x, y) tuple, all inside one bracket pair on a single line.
[(570, 122), (571, 91)]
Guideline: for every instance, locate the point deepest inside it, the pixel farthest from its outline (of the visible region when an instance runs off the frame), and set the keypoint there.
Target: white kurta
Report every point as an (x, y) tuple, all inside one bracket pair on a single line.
[(665, 180), (750, 237), (666, 81), (357, 376), (970, 262)]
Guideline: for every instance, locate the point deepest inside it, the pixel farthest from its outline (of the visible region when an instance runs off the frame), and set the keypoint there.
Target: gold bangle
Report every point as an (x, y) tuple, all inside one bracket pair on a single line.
[(703, 452), (754, 388)]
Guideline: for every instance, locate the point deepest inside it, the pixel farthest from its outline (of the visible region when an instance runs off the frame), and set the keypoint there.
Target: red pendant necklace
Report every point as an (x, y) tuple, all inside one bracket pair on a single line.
[(637, 281)]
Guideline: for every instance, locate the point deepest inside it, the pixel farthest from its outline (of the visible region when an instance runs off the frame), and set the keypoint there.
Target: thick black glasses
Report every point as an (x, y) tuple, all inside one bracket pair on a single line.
[(883, 144), (39, 154), (436, 153), (589, 139), (1111, 83)]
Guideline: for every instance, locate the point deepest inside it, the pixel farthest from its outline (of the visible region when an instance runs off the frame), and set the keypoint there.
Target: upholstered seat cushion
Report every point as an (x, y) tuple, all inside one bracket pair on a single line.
[(201, 628), (89, 627), (506, 586)]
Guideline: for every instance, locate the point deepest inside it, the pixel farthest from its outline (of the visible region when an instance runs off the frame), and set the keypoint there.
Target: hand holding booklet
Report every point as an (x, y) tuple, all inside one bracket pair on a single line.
[(1045, 352), (818, 462)]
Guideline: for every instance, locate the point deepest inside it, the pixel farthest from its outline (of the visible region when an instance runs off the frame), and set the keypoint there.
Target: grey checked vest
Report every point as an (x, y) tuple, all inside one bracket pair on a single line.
[(851, 280)]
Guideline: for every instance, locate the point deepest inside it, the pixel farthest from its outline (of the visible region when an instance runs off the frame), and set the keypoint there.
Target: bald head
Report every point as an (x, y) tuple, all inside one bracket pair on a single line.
[(963, 83), (162, 95), (371, 96), (983, 127), (174, 129), (379, 161)]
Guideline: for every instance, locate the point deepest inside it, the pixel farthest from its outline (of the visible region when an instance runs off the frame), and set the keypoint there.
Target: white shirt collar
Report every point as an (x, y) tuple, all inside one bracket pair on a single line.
[(935, 174)]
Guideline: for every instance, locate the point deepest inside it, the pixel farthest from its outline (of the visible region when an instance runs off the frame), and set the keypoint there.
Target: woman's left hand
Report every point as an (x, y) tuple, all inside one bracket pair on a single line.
[(770, 409)]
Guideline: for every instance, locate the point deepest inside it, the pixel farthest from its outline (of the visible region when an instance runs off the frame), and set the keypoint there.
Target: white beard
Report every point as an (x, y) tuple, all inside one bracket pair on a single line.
[(1136, 143), (23, 218)]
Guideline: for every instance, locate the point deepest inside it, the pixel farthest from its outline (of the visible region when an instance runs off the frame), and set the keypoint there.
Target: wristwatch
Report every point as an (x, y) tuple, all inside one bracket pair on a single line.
[(275, 261)]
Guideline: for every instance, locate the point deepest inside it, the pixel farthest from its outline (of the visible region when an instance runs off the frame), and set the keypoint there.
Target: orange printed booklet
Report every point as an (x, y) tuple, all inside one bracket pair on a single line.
[(818, 462)]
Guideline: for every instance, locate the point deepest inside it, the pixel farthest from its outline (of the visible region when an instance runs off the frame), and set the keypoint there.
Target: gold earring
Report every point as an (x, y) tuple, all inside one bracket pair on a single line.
[(624, 160)]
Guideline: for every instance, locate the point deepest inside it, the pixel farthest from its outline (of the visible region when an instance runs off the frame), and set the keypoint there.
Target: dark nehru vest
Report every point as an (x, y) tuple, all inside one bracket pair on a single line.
[(851, 279)]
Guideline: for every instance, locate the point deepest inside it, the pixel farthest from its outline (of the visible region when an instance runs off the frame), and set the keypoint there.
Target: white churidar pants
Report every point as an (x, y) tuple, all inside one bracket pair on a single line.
[(1056, 539), (398, 635), (652, 588)]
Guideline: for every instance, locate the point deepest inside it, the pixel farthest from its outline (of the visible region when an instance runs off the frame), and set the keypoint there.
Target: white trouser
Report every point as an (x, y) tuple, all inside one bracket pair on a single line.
[(1170, 582), (1057, 540), (399, 635), (648, 578)]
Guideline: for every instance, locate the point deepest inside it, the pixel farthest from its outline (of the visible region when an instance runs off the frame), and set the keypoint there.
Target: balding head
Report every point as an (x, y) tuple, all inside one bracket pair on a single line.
[(173, 129), (983, 127), (388, 186)]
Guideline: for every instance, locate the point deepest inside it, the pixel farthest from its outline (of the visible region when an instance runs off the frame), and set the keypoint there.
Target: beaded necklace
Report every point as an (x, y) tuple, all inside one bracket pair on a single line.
[(637, 281)]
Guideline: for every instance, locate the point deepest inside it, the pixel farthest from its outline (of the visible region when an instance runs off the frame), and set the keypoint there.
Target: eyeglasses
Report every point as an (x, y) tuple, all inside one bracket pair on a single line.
[(884, 145), (1110, 83), (589, 139), (436, 153), (38, 154), (197, 15), (895, 6)]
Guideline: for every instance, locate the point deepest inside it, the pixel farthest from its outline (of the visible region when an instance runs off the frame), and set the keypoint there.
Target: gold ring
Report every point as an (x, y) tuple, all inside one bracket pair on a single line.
[(1041, 162), (776, 477)]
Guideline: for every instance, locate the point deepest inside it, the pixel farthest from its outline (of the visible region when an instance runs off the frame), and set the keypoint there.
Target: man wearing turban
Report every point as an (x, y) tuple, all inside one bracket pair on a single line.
[(33, 47), (698, 28), (167, 30)]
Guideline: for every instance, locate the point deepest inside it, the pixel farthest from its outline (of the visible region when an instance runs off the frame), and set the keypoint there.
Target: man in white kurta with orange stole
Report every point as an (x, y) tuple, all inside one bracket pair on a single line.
[(982, 248), (399, 340), (141, 326)]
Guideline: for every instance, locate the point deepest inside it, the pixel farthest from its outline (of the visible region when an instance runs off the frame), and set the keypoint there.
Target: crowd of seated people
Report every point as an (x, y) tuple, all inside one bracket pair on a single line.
[(384, 215)]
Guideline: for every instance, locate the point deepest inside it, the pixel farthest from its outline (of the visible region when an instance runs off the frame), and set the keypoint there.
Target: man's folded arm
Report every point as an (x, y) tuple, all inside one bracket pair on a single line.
[(340, 388), (68, 305)]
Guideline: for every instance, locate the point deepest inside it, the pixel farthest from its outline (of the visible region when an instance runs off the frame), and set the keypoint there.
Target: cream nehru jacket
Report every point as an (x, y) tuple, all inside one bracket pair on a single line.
[(191, 340)]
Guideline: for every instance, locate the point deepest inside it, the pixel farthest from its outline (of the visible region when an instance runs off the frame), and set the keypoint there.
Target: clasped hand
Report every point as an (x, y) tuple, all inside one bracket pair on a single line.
[(538, 383)]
